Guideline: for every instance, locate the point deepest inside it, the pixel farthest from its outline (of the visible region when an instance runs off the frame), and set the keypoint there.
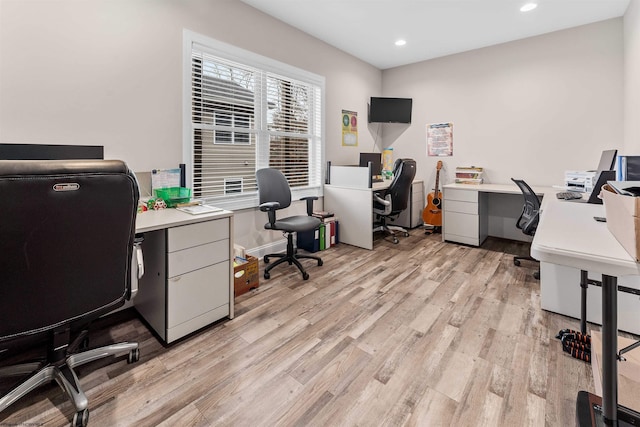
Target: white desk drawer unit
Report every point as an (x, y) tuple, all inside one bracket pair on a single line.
[(192, 289), (462, 216)]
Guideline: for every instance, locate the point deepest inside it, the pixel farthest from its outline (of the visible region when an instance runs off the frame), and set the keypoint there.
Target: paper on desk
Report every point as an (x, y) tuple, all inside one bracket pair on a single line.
[(199, 209)]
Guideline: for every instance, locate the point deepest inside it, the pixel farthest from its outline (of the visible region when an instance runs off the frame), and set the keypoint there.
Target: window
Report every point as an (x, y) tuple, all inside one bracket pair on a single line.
[(244, 112)]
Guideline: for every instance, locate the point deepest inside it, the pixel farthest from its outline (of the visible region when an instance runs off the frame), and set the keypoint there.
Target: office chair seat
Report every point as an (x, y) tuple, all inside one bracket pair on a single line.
[(294, 223), (274, 194)]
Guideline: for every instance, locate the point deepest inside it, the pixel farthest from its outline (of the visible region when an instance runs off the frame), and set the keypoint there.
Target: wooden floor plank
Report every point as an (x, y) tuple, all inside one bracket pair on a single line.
[(422, 333)]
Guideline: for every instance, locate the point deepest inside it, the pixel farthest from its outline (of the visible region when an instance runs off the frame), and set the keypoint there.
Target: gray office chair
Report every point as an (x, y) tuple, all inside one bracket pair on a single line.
[(274, 194), (528, 221), (66, 239), (389, 203)]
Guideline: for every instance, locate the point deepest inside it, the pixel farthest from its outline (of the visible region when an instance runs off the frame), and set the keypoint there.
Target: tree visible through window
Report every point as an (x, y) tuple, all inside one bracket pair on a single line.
[(243, 119)]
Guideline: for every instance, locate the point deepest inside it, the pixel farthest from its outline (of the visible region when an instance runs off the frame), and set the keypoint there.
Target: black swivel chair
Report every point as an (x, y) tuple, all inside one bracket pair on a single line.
[(274, 194), (66, 239), (528, 221), (389, 203)]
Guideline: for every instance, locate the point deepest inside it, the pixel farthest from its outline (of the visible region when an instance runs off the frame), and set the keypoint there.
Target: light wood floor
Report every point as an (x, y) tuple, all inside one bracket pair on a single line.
[(422, 333)]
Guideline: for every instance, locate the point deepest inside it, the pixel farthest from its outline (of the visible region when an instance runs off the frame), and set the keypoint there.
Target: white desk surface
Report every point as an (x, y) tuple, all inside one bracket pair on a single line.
[(164, 218), (510, 188), (568, 235)]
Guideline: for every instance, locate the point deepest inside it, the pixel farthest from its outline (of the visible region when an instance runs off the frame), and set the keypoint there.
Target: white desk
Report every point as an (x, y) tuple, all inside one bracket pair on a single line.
[(188, 280), (568, 235), (473, 212), (353, 206)]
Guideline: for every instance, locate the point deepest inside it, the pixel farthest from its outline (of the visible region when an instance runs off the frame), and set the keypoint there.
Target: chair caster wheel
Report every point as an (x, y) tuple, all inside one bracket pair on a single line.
[(536, 275), (267, 275), (516, 262), (406, 234), (319, 262), (134, 356), (395, 240), (80, 418), (266, 259), (305, 276)]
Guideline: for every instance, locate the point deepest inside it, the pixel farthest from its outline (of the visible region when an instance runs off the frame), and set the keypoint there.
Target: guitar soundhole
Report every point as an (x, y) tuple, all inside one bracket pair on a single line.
[(436, 202)]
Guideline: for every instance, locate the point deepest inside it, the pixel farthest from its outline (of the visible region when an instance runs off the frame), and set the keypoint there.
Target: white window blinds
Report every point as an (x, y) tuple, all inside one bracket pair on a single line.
[(245, 116)]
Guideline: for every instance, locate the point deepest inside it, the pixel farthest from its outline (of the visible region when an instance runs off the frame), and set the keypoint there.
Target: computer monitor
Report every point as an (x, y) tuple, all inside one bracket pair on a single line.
[(376, 162), (50, 152), (607, 160)]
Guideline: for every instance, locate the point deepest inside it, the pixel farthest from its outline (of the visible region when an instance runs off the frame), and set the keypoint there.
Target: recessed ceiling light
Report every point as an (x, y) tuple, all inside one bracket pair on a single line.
[(527, 7), (401, 42)]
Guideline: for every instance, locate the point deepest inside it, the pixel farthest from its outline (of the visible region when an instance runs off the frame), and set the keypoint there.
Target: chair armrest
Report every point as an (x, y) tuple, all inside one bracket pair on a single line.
[(382, 206), (380, 200), (270, 208), (309, 200)]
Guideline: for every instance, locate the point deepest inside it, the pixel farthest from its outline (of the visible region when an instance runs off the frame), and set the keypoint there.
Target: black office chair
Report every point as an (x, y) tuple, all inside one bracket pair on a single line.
[(389, 203), (274, 194), (66, 239), (528, 221)]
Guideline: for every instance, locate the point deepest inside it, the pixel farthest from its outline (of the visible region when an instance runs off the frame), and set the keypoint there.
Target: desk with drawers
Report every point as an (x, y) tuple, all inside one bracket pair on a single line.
[(188, 279), (471, 212)]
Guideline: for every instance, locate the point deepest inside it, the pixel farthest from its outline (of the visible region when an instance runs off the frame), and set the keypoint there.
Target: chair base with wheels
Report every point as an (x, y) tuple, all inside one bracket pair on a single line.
[(59, 367), (517, 259), (391, 230), (291, 256)]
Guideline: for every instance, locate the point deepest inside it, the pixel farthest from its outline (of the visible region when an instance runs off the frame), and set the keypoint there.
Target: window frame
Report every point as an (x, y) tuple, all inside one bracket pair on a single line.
[(267, 65)]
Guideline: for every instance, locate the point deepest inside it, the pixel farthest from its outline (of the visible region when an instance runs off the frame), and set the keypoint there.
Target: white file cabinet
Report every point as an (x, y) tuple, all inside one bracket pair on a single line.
[(464, 216), (187, 278)]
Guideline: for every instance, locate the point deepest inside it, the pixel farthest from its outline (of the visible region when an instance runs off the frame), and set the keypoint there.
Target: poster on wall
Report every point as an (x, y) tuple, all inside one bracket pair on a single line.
[(349, 128), (440, 139)]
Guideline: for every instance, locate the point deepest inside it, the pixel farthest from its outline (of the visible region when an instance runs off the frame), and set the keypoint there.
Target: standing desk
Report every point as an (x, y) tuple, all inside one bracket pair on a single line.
[(568, 235), (471, 212)]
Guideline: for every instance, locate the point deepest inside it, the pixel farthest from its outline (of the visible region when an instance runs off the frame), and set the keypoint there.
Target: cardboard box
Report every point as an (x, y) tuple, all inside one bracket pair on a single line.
[(623, 219), (246, 276)]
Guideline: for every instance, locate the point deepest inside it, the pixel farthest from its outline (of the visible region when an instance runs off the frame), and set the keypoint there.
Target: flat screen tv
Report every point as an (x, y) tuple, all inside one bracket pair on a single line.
[(390, 110)]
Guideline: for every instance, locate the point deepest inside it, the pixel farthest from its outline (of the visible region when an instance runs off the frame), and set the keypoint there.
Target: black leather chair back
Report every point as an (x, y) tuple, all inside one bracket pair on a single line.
[(400, 188), (66, 239), (528, 221)]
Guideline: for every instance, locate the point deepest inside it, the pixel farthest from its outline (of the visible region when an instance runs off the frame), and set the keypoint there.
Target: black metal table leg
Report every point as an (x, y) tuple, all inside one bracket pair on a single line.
[(609, 349)]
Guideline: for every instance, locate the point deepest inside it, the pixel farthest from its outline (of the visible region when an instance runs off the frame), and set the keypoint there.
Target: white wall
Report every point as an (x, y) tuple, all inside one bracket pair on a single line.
[(527, 109), (632, 79), (109, 72)]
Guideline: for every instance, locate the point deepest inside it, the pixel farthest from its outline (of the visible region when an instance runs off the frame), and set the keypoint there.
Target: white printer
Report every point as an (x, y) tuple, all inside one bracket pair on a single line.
[(581, 181)]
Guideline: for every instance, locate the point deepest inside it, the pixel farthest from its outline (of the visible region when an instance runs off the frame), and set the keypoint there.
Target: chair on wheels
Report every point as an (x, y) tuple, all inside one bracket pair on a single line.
[(389, 203), (274, 194), (528, 221), (67, 240)]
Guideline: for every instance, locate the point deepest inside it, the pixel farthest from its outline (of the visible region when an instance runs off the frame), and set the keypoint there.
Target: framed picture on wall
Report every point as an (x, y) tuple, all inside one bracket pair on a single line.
[(440, 139)]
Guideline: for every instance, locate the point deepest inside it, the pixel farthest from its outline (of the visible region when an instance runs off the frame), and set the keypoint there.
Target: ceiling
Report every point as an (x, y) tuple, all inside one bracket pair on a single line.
[(368, 29)]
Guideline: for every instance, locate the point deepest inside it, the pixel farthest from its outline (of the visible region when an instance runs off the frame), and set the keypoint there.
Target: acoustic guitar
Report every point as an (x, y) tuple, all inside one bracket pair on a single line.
[(432, 213)]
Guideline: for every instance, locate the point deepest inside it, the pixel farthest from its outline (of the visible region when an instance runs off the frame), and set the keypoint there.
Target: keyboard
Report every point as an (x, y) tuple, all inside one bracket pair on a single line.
[(569, 195)]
